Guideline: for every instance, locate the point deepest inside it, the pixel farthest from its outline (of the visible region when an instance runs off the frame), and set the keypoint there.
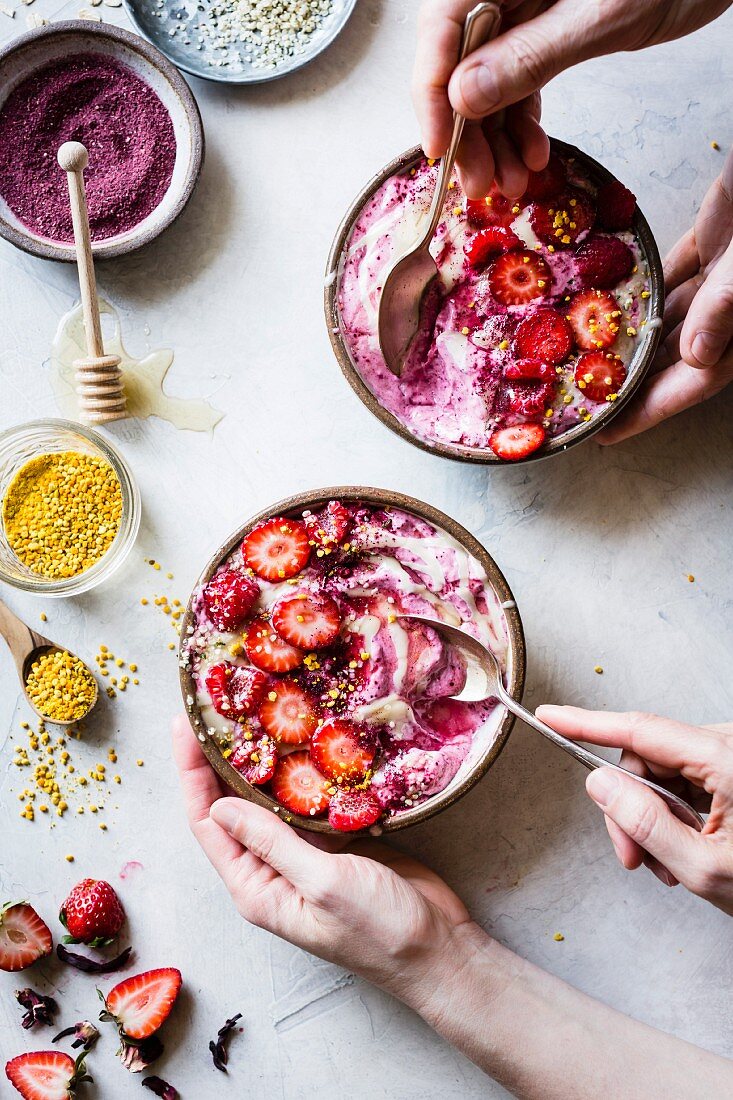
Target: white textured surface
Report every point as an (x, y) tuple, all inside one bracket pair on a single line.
[(596, 545)]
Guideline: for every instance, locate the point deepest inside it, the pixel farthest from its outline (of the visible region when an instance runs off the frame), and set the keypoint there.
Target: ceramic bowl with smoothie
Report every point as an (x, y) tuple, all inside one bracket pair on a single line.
[(309, 693), (544, 318)]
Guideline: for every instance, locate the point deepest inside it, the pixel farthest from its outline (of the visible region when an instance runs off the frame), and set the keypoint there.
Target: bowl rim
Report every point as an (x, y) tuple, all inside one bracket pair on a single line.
[(112, 247), (384, 498), (640, 363)]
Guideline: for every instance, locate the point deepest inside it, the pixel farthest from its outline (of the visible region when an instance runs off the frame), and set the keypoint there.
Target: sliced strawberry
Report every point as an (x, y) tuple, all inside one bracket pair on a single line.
[(530, 370), (229, 597), (549, 183), (599, 374), (24, 937), (545, 335), (141, 1004), (519, 277), (490, 242), (518, 441), (561, 222), (235, 692), (299, 786), (310, 620), (267, 650), (594, 315), (603, 261), (493, 209), (340, 751), (277, 549), (46, 1074), (530, 401), (217, 684), (349, 811), (288, 713), (616, 206), (256, 760), (331, 525)]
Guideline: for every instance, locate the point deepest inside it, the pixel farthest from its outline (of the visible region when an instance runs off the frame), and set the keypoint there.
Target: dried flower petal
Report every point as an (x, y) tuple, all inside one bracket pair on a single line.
[(137, 1056), (40, 1009), (218, 1049), (160, 1088), (92, 966), (85, 1034)]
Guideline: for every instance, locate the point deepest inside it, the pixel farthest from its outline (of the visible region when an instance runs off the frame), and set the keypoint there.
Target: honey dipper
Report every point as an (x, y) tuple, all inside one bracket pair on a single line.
[(99, 385)]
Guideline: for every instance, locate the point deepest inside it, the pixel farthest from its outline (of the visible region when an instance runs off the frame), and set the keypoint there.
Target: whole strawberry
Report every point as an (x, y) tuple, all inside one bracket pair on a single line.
[(92, 913)]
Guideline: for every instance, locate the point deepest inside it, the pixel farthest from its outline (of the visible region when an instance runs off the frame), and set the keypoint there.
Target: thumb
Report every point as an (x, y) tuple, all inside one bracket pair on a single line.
[(643, 816), (708, 327)]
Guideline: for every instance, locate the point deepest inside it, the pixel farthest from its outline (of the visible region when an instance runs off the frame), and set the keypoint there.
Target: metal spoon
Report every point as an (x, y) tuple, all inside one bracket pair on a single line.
[(484, 681), (409, 278)]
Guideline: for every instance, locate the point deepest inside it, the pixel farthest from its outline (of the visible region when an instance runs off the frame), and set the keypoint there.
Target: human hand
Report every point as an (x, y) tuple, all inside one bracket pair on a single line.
[(538, 39), (372, 909), (695, 762), (695, 358)]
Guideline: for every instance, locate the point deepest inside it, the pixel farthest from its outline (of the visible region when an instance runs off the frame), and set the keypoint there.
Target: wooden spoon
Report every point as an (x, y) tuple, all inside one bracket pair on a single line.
[(99, 385), (27, 646)]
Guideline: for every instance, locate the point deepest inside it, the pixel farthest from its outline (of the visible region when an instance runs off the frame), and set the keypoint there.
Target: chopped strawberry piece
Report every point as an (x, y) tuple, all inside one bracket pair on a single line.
[(24, 937), (330, 526), (616, 206), (603, 261), (599, 375), (235, 692), (229, 597), (299, 786), (310, 620), (519, 277), (490, 242), (277, 549), (349, 811), (561, 222), (549, 183), (217, 684), (518, 441), (545, 335), (530, 370), (594, 315), (141, 1004), (46, 1075), (256, 760), (340, 751), (267, 650), (288, 713), (92, 913), (530, 401), (493, 209)]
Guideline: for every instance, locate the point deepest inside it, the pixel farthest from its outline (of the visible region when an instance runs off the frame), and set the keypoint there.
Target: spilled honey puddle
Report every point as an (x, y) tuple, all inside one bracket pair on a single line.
[(144, 378)]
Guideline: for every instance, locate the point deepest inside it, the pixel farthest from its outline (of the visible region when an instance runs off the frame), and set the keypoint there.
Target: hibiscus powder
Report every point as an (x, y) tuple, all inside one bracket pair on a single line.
[(94, 99)]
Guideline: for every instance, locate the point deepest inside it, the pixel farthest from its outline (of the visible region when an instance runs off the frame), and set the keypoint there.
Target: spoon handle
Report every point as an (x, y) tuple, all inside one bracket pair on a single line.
[(481, 24), (589, 760), (20, 638)]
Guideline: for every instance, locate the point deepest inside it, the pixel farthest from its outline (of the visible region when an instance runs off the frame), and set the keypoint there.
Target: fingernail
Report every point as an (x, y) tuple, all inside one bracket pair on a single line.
[(707, 348), (224, 814), (601, 785), (479, 89)]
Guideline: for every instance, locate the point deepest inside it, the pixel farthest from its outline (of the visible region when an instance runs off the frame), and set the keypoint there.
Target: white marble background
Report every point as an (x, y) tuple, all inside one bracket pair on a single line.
[(596, 545)]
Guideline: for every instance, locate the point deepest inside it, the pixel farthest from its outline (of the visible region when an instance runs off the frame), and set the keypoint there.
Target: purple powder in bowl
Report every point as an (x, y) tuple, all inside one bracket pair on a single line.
[(128, 132)]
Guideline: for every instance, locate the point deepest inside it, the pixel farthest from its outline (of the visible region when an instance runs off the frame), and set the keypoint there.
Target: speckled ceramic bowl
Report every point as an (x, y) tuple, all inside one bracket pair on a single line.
[(478, 763), (24, 55), (637, 368)]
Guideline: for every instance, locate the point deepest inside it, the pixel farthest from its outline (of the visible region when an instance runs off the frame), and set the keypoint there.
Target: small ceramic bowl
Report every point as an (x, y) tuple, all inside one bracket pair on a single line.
[(477, 764), (638, 367), (24, 55)]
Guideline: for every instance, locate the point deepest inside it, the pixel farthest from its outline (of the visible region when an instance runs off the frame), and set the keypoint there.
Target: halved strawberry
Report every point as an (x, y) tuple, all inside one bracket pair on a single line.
[(299, 786), (288, 713), (490, 242), (616, 206), (493, 209), (229, 598), (267, 650), (603, 261), (24, 937), (235, 692), (548, 183), (331, 525), (560, 222), (277, 549), (594, 315), (46, 1074), (310, 620), (140, 1005), (217, 682), (340, 751), (518, 277), (349, 810), (518, 441), (545, 335), (599, 374), (530, 401), (530, 370), (256, 760)]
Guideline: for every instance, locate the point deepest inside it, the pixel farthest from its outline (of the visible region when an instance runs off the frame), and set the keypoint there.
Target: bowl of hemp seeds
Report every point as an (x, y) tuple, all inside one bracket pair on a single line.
[(69, 508)]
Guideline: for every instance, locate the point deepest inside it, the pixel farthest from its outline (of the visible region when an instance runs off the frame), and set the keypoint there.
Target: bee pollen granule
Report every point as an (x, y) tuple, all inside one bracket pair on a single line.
[(60, 686)]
